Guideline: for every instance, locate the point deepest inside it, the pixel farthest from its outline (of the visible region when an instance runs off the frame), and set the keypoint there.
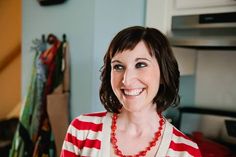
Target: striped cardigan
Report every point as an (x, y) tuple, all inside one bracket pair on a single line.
[(89, 135)]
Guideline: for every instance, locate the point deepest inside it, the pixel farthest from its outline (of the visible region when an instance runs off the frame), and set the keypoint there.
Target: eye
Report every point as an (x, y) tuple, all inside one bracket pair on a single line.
[(140, 65), (118, 67)]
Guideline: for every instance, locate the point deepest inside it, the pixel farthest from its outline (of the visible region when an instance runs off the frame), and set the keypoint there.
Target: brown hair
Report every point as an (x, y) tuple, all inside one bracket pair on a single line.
[(159, 46)]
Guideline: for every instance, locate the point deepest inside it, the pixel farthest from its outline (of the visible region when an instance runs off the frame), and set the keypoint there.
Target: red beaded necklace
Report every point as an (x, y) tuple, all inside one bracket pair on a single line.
[(141, 153)]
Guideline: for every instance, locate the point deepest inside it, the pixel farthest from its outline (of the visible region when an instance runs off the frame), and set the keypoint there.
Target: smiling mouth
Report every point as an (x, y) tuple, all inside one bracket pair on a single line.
[(132, 92)]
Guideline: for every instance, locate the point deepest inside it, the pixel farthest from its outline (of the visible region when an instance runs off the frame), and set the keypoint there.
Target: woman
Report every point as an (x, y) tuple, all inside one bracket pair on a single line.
[(140, 79)]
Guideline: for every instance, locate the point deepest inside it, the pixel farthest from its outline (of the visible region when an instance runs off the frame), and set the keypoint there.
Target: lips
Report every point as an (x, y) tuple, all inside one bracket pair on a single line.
[(133, 92)]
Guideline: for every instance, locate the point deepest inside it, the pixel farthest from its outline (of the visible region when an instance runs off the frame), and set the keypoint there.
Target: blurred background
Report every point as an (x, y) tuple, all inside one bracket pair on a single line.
[(207, 69)]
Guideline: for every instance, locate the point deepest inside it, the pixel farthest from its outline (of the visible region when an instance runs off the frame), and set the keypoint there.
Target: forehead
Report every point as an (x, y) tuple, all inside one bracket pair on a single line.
[(140, 50)]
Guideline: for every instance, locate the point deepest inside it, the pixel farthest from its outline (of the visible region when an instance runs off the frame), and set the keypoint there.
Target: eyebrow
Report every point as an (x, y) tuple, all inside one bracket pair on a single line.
[(136, 60), (115, 61)]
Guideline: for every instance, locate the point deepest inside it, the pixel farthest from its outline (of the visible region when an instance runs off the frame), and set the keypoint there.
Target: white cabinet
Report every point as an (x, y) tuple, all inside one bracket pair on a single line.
[(160, 12), (186, 59), (188, 7), (181, 4), (157, 14)]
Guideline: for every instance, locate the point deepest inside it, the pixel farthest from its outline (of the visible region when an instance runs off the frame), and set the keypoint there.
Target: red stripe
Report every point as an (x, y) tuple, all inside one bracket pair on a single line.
[(66, 153), (183, 147), (92, 143), (81, 125), (98, 114), (83, 143), (178, 133)]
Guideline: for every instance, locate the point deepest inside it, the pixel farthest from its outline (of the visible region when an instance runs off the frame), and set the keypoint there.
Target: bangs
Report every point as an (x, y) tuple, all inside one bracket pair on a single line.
[(129, 38), (121, 46)]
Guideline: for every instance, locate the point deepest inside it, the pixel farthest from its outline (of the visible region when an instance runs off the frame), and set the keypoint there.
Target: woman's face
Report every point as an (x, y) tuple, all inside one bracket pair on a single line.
[(135, 78)]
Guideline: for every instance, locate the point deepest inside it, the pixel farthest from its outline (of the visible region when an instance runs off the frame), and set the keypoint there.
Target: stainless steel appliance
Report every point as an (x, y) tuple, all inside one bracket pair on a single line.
[(204, 30)]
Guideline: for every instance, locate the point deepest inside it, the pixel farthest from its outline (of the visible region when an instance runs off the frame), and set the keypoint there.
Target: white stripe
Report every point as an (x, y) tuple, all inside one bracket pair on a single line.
[(179, 139), (105, 145), (165, 141), (70, 147), (89, 152), (84, 134), (84, 152), (92, 119), (173, 153)]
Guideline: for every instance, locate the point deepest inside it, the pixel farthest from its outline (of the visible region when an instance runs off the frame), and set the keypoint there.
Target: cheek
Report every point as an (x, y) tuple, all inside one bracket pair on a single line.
[(114, 80), (153, 78)]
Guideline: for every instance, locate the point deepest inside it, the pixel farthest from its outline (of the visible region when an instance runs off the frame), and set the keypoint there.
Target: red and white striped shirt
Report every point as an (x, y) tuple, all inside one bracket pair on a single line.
[(89, 135)]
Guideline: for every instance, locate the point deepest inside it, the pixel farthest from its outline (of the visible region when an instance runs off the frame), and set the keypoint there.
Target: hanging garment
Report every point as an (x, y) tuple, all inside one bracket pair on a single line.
[(27, 129), (51, 58), (34, 136), (57, 103)]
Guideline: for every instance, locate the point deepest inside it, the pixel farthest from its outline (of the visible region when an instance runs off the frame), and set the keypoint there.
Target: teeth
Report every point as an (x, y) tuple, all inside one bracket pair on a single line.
[(133, 92)]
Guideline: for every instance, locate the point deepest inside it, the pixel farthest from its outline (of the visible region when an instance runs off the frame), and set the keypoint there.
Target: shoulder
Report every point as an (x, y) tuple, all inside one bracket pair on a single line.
[(84, 135), (183, 145), (89, 121), (90, 117)]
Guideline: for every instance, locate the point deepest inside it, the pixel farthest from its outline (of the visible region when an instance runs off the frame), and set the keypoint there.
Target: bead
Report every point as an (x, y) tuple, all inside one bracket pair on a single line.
[(158, 134), (119, 152), (143, 153), (114, 140), (113, 127), (161, 122), (148, 148), (153, 143), (113, 134)]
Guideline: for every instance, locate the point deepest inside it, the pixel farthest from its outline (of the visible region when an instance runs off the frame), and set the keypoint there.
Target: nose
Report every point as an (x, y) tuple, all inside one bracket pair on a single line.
[(128, 77)]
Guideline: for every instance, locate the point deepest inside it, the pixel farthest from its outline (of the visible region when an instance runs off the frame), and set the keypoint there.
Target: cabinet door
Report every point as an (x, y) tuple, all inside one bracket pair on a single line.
[(181, 4)]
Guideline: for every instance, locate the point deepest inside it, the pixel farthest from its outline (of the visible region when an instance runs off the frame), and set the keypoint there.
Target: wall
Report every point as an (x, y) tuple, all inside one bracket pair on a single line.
[(10, 22), (10, 87), (10, 56), (89, 26), (76, 19), (108, 21), (215, 79)]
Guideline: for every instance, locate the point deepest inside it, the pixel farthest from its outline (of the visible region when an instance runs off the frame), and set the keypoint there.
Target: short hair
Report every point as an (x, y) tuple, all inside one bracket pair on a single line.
[(158, 46)]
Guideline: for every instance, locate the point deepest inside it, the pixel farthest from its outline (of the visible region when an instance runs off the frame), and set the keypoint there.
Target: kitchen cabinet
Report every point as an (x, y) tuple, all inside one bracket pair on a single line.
[(183, 4), (189, 7), (159, 13)]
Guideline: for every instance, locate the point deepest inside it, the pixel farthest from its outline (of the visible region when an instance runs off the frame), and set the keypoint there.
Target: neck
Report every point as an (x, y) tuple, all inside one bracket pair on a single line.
[(137, 122), (143, 152)]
